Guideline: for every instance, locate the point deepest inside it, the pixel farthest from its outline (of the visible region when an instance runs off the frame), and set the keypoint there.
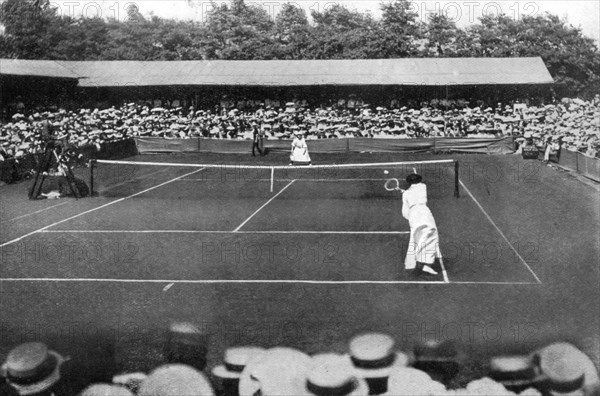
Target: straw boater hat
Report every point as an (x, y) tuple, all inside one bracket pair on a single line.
[(374, 356), (235, 360), (32, 368), (486, 386), (567, 370), (105, 390), (516, 373), (332, 374), (175, 380), (275, 372), (410, 381)]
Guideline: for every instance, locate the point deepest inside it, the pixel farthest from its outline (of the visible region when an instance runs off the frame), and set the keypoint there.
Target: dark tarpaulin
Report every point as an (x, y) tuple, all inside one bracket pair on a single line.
[(467, 145), (589, 167), (391, 145), (161, 145), (314, 146), (582, 164)]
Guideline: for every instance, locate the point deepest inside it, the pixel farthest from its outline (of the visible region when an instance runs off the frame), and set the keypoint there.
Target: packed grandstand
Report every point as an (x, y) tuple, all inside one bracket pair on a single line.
[(574, 121)]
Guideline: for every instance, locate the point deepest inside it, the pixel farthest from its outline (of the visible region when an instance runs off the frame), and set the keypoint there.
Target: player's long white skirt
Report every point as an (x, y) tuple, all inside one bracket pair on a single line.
[(300, 154), (424, 239)]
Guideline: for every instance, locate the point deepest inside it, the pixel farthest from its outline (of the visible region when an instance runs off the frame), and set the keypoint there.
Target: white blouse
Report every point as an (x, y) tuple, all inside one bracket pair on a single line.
[(416, 194)]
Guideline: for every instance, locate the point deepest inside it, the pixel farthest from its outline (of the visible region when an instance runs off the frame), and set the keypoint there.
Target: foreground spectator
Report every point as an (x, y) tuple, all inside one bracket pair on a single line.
[(175, 380), (235, 360), (33, 369), (331, 374), (186, 344), (105, 390), (374, 356), (274, 372), (558, 369)]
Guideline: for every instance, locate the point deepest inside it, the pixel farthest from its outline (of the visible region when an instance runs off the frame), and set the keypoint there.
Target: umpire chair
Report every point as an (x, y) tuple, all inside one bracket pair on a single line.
[(56, 160)]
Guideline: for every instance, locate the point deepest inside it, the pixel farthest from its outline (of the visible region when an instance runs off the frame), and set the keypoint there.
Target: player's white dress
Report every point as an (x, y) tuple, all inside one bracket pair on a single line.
[(299, 151), (424, 239)]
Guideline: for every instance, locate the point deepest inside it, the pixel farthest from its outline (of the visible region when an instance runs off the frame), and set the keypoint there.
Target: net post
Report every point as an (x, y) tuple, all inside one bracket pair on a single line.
[(456, 179), (272, 177), (91, 166)]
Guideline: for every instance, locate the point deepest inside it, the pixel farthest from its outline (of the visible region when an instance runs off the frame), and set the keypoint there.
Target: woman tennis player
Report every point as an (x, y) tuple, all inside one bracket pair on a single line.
[(423, 246), (299, 150)]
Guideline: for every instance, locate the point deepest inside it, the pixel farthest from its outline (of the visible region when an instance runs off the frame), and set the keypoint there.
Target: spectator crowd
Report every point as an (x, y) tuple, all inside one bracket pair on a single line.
[(372, 365), (574, 123)]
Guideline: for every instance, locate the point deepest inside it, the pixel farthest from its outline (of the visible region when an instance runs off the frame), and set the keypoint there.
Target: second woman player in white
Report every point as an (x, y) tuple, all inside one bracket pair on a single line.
[(299, 150)]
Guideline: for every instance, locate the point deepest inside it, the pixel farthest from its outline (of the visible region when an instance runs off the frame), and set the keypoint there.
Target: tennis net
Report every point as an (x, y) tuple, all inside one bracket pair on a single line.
[(114, 178)]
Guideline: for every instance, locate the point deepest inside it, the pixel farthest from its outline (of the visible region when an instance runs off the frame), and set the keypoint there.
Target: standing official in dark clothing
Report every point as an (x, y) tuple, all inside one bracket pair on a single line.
[(256, 141)]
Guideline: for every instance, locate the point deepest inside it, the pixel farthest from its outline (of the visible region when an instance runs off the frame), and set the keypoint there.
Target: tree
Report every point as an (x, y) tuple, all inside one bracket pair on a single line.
[(79, 39), (238, 32), (402, 30), (292, 32), (572, 59), (441, 33), (32, 29), (27, 24), (495, 36), (343, 34), (134, 14)]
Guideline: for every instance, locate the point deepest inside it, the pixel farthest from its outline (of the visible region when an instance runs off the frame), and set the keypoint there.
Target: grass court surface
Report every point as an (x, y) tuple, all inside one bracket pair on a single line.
[(308, 265)]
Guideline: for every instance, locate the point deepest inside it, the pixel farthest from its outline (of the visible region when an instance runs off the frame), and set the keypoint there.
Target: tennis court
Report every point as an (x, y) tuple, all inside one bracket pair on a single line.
[(322, 252), (318, 224)]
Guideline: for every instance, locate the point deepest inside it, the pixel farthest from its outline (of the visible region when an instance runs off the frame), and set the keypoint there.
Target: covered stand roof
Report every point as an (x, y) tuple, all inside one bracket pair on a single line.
[(35, 68), (406, 71)]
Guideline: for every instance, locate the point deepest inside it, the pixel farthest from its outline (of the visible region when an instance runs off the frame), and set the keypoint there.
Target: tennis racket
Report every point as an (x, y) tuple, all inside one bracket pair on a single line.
[(393, 185)]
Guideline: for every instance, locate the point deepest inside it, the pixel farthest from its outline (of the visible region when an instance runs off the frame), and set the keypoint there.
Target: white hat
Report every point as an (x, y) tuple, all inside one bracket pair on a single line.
[(373, 355), (410, 381), (487, 386), (105, 390), (514, 371), (332, 374), (175, 380), (32, 368), (567, 369), (275, 372), (235, 359)]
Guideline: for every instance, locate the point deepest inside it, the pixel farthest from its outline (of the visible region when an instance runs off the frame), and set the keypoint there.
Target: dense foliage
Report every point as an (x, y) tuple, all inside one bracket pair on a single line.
[(34, 30)]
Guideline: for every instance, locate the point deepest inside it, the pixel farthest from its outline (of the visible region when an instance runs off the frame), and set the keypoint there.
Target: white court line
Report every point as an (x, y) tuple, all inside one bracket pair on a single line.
[(282, 180), (341, 180), (265, 204), (225, 232), (245, 281), (97, 208), (500, 231), (493, 283), (36, 212), (242, 281), (444, 273), (219, 281)]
